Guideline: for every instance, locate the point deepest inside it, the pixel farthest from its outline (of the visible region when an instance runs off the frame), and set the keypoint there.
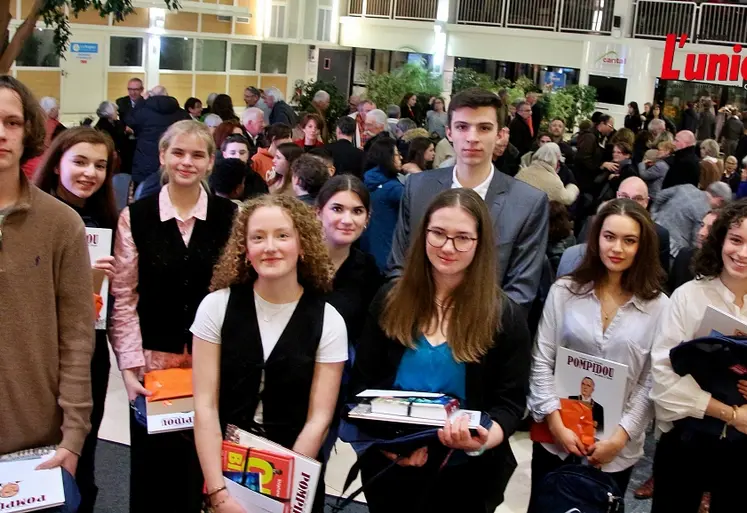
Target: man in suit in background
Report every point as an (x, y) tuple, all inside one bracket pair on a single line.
[(125, 104), (520, 212), (348, 158)]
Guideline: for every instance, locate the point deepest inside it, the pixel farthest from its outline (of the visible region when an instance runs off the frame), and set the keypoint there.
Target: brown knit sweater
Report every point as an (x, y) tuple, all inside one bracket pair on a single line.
[(46, 325)]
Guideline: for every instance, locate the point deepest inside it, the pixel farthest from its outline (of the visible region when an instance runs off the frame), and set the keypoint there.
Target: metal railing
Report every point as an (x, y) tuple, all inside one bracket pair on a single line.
[(415, 9), (654, 19), (371, 8), (480, 12), (537, 14), (722, 23), (587, 16)]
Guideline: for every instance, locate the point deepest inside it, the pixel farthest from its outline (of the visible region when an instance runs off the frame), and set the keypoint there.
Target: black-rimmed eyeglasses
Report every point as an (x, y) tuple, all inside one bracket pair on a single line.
[(438, 239)]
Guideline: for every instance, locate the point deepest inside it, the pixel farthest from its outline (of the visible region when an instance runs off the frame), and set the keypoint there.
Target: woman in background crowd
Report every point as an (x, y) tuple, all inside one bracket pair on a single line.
[(445, 326), (633, 118), (279, 180), (420, 154), (269, 350), (606, 308), (311, 125), (690, 461), (384, 163), (165, 250), (437, 119), (77, 170)]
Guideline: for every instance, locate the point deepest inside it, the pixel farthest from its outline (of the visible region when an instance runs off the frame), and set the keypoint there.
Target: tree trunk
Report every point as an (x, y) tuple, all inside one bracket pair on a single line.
[(11, 51), (4, 21)]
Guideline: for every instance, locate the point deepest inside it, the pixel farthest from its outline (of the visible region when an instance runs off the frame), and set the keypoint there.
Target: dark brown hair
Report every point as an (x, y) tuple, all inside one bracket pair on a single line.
[(311, 174), (560, 223), (34, 131), (342, 183), (474, 98), (316, 118), (624, 148), (708, 260), (101, 203), (644, 277), (709, 173), (475, 304), (416, 152), (223, 130)]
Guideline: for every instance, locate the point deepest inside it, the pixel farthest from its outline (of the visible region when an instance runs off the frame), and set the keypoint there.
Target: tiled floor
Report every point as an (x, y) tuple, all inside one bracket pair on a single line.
[(115, 428)]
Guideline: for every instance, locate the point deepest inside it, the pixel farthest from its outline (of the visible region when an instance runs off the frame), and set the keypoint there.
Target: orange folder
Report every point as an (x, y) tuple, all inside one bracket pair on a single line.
[(169, 384), (576, 416)]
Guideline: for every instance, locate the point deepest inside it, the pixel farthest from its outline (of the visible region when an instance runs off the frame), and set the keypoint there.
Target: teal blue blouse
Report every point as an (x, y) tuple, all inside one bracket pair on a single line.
[(430, 368)]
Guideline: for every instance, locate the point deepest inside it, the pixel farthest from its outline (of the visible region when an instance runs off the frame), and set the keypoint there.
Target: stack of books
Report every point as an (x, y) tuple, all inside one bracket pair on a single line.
[(171, 407), (409, 407), (22, 488), (265, 477)]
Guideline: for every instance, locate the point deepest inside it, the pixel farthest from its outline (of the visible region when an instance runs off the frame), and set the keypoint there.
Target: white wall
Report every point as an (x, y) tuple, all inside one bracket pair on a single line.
[(395, 35)]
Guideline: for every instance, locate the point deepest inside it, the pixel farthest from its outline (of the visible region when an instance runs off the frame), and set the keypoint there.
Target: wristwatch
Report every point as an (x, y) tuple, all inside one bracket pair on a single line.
[(478, 452)]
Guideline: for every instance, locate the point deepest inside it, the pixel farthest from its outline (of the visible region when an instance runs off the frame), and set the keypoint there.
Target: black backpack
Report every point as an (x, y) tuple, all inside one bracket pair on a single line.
[(578, 489)]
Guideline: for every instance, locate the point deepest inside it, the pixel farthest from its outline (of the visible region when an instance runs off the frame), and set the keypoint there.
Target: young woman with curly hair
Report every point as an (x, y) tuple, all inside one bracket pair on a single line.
[(264, 336), (688, 463), (446, 326), (165, 250)]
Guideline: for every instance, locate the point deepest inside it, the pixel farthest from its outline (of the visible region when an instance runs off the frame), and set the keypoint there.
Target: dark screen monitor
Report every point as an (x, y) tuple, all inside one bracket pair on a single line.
[(609, 89)]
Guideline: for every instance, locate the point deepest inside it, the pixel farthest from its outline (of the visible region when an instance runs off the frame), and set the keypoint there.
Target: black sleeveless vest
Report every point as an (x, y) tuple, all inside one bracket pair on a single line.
[(174, 279), (288, 372)]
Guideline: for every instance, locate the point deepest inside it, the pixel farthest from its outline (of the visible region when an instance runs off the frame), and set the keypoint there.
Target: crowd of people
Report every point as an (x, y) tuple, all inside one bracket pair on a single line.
[(448, 249)]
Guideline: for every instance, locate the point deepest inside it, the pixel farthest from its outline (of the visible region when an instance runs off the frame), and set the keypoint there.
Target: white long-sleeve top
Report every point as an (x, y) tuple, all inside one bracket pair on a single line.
[(575, 321), (678, 397)]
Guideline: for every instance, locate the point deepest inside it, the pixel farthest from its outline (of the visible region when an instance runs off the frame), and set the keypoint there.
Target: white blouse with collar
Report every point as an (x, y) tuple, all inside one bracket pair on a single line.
[(575, 321), (677, 397)]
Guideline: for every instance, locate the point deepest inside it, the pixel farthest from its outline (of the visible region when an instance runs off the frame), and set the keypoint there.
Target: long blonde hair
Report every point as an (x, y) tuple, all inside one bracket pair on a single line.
[(186, 127), (315, 268)]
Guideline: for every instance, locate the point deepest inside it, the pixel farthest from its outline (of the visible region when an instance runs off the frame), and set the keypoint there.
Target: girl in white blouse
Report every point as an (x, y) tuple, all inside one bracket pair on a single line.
[(607, 308), (687, 462)]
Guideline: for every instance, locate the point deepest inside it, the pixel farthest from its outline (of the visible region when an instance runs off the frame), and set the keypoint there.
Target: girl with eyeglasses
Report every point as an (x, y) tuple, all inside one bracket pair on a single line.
[(607, 308), (445, 326)]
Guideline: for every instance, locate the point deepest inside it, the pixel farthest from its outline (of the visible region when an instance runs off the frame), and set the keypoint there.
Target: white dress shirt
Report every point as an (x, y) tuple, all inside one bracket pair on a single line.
[(481, 189), (574, 321), (678, 397)]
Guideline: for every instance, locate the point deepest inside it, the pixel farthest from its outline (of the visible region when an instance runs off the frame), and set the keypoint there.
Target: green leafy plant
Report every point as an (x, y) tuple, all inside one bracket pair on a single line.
[(465, 78), (389, 88), (338, 104), (55, 15), (527, 85), (559, 104), (584, 103)]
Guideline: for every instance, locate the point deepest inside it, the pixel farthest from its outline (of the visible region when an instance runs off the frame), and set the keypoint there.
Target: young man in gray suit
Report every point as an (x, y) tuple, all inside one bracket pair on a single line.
[(519, 211)]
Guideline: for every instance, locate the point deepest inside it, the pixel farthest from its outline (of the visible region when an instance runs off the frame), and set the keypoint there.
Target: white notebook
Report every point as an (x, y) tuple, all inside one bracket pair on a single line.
[(24, 489)]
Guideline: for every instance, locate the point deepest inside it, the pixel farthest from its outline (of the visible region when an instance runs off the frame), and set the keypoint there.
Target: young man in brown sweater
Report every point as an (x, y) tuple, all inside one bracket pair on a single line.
[(46, 299)]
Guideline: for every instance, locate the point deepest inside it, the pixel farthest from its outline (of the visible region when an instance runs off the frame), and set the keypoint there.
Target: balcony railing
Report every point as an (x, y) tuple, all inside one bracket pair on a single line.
[(703, 23), (654, 19), (722, 23), (588, 16)]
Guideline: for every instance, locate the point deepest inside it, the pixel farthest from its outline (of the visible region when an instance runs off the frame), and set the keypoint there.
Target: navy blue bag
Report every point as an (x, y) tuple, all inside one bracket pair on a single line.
[(716, 363), (579, 489)]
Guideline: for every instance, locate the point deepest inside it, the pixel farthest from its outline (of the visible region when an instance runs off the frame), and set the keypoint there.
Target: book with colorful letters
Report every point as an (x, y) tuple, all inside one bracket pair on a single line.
[(266, 472)]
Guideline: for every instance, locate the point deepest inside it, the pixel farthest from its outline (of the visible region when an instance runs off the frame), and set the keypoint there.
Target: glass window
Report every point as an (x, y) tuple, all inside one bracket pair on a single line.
[(274, 59), (176, 53), (210, 55), (243, 57), (39, 50), (125, 51)]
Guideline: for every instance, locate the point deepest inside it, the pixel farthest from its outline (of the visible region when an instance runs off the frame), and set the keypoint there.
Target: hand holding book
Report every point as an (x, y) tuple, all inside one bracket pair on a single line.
[(224, 502), (62, 458), (456, 435), (563, 436), (604, 451)]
